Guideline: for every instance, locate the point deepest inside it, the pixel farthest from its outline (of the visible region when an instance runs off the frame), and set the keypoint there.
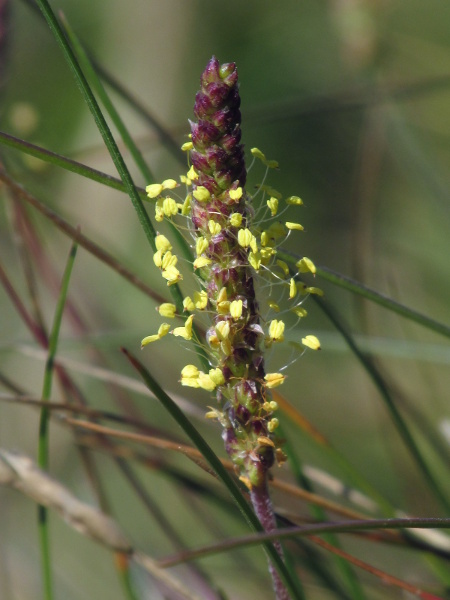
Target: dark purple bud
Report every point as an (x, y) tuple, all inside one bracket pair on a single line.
[(203, 134), (230, 140), (226, 118), (211, 72), (200, 162), (215, 156), (202, 106), (218, 93), (224, 178)]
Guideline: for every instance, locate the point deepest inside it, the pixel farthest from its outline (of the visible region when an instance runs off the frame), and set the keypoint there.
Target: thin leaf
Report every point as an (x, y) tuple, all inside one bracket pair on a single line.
[(306, 530), (43, 447)]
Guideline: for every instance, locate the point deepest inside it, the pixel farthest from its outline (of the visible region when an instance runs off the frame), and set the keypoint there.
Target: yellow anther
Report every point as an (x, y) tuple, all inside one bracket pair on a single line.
[(201, 194), (314, 290), (186, 206), (172, 275), (254, 258), (169, 260), (153, 190), (294, 226), (292, 288), (222, 330), (276, 330), (187, 146), (217, 376), (200, 300), (294, 200), (274, 379), (299, 311), (170, 207), (245, 237), (235, 194), (306, 265), (162, 243), (272, 424), (188, 304), (167, 310), (205, 382), (273, 305), (186, 331), (272, 203), (162, 331), (236, 219), (201, 261), (236, 309), (157, 258), (214, 227), (310, 341), (283, 266), (192, 174), (201, 245), (169, 184)]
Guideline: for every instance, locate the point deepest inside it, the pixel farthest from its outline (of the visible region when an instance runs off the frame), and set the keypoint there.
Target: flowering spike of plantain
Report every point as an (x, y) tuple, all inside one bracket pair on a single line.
[(218, 158)]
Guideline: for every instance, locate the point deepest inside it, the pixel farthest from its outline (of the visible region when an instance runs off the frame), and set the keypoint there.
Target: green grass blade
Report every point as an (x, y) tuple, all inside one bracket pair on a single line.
[(307, 530), (347, 572), (44, 421), (110, 143), (380, 384), (212, 459), (65, 163), (394, 413), (392, 305), (105, 132), (362, 290), (97, 86)]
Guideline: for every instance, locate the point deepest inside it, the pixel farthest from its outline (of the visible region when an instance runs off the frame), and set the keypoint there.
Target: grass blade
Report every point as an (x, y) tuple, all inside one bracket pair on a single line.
[(43, 447), (358, 288)]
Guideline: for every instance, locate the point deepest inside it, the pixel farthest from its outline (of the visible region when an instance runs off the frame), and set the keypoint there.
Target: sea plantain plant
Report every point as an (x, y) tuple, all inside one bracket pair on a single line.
[(231, 249), (234, 293)]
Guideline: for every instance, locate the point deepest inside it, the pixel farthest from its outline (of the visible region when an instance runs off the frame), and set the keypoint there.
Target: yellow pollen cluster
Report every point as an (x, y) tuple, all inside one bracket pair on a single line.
[(192, 377), (260, 246)]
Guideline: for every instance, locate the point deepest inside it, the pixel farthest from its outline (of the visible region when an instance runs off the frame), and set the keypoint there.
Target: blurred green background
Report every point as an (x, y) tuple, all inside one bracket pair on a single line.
[(352, 97)]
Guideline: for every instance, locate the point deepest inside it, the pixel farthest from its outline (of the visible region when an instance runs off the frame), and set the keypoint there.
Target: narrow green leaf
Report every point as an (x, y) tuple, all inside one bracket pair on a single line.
[(306, 530), (97, 86), (394, 413), (44, 420), (362, 290)]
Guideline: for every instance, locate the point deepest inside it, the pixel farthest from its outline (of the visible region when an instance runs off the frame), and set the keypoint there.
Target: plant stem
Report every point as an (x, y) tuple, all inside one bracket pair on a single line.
[(263, 508)]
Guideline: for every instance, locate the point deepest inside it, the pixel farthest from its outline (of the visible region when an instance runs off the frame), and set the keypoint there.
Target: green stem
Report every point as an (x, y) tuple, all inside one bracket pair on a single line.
[(43, 445)]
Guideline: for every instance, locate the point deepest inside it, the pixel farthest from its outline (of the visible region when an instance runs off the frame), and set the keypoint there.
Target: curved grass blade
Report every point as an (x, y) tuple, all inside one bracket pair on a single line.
[(358, 288), (106, 134), (402, 310), (218, 468), (89, 70), (97, 86), (307, 530), (348, 574), (380, 384), (395, 415), (65, 163)]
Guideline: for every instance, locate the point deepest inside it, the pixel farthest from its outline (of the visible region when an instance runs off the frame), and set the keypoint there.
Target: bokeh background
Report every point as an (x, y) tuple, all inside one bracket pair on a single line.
[(352, 97)]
